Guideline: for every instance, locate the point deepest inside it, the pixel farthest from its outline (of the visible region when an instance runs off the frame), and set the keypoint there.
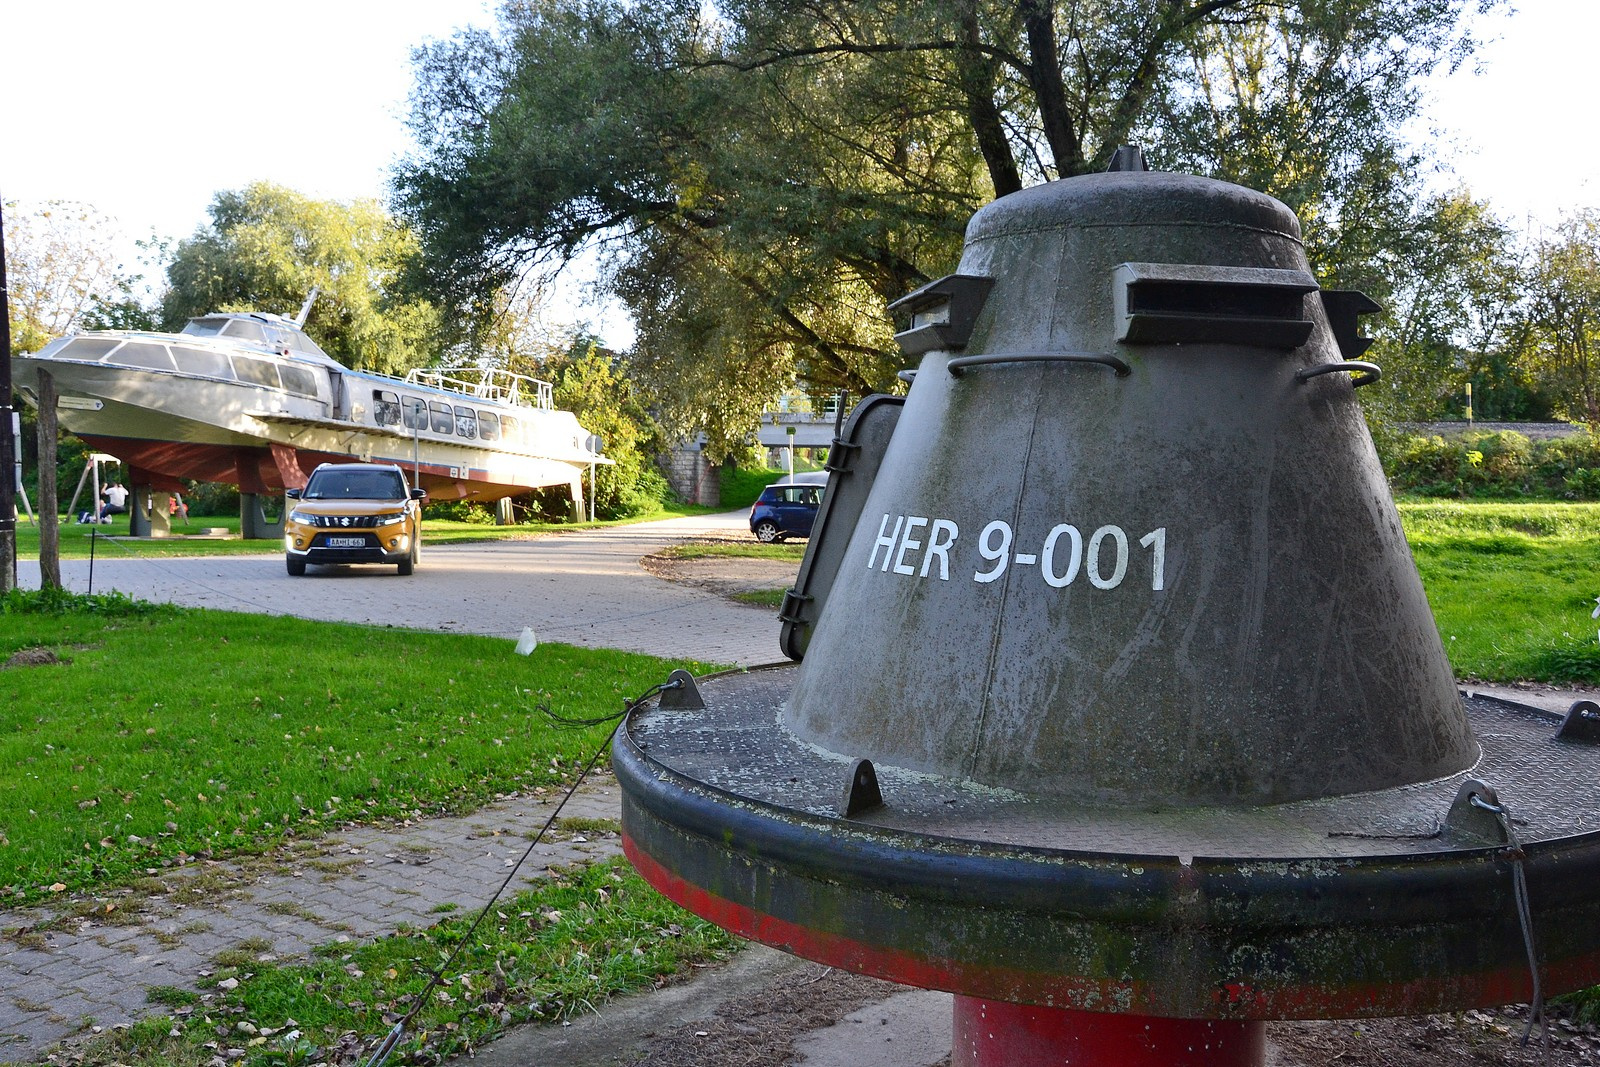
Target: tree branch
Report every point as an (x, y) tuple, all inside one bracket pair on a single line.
[(1049, 89), (976, 73)]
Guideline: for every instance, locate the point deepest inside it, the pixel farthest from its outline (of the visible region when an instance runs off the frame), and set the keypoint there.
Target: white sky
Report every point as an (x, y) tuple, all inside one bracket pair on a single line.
[(145, 110), (1516, 118)]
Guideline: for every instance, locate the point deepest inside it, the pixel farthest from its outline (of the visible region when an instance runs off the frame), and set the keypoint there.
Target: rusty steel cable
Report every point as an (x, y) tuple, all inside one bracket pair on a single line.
[(1519, 888)]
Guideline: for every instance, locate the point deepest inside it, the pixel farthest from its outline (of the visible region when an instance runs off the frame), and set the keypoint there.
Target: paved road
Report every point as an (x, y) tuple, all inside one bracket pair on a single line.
[(583, 588)]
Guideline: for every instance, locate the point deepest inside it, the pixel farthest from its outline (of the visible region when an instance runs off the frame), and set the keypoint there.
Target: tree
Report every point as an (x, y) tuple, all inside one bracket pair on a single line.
[(1562, 341), (1305, 101), (767, 174), (592, 383), (1451, 282), (64, 273), (61, 260), (267, 247)]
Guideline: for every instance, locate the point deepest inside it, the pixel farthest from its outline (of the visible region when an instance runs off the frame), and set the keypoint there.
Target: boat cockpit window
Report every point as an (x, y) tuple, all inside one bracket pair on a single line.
[(488, 426), (336, 484), (414, 413), (385, 407), (302, 343), (244, 330), (510, 428), (443, 418), (467, 423), (135, 354), (88, 347), (220, 326), (298, 379), (203, 361), (257, 371)]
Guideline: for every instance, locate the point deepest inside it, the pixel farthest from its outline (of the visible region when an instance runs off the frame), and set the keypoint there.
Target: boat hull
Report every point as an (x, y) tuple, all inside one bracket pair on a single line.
[(169, 427)]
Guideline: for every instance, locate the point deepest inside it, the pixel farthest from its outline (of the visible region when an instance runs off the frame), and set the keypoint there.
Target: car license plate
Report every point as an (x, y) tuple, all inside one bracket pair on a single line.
[(347, 542)]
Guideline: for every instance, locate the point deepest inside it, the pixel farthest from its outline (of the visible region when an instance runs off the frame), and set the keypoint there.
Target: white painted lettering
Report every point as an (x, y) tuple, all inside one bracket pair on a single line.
[(940, 549), (1047, 563), (1116, 534), (885, 543), (1156, 541), (999, 555), (908, 545), (1062, 557)]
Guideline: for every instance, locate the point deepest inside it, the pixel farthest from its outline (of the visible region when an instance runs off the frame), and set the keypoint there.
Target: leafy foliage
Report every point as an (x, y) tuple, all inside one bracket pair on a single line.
[(766, 175), (741, 485), (1496, 464), (1562, 342), (1450, 280), (267, 247), (594, 384), (58, 601), (61, 268)]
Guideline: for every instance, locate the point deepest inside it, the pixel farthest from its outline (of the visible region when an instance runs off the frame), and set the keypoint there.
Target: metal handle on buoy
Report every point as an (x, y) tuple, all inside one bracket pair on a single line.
[(1365, 373), (961, 363)]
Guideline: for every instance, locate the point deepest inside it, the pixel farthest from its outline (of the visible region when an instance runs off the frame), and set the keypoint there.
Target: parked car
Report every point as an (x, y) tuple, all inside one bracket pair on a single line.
[(787, 508), (354, 513)]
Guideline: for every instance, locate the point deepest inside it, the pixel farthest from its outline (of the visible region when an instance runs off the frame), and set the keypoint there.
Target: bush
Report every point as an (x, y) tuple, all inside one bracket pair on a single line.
[(57, 601), (1579, 661), (741, 485), (211, 498), (460, 511), (1583, 483), (1494, 464)]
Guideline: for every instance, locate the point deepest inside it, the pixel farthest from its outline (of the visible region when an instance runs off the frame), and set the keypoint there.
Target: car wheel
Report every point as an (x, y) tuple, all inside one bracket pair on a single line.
[(296, 567), (409, 564), (767, 532)]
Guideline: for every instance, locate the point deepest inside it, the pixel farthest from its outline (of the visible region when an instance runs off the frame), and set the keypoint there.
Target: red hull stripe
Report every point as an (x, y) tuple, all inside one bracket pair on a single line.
[(1232, 1000)]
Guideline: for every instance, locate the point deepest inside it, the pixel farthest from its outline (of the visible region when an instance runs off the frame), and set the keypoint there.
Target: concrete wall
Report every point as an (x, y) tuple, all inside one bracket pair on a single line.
[(692, 476)]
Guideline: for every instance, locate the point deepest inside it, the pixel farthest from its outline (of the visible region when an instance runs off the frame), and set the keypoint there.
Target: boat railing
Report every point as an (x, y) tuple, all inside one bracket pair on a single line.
[(489, 383)]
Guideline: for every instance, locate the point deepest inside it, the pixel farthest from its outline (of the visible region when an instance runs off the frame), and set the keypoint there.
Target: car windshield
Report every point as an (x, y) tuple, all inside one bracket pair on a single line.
[(356, 485)]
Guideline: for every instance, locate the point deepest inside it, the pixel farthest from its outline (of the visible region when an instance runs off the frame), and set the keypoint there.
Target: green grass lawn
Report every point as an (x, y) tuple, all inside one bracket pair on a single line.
[(161, 734), (740, 550), (148, 738), (1512, 586)]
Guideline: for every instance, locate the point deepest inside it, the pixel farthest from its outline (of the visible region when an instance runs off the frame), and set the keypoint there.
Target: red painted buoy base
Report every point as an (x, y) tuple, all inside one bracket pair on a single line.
[(994, 1033)]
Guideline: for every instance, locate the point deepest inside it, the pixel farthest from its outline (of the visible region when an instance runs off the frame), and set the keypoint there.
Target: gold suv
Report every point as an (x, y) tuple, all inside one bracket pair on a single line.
[(354, 513)]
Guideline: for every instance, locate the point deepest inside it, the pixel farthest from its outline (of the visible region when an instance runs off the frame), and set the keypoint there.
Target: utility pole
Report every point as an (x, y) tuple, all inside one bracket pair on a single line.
[(8, 440)]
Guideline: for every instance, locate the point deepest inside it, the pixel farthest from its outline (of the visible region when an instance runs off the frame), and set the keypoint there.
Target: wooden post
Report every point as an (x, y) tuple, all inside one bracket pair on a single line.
[(8, 487), (49, 509)]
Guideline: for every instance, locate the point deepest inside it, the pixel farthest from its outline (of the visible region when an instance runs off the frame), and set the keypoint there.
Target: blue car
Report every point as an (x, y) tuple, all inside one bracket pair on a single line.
[(787, 508)]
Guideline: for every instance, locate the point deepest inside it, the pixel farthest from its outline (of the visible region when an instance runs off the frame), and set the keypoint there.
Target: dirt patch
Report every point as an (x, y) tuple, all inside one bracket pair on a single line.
[(32, 657), (764, 1026), (724, 575), (1484, 1039), (760, 1030)]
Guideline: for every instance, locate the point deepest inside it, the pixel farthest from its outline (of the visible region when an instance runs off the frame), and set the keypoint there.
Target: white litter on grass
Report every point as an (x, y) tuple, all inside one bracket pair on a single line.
[(527, 642)]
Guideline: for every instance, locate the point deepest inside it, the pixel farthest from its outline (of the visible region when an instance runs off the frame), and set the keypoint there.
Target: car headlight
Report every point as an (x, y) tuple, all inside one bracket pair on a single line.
[(390, 520), (302, 518)]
